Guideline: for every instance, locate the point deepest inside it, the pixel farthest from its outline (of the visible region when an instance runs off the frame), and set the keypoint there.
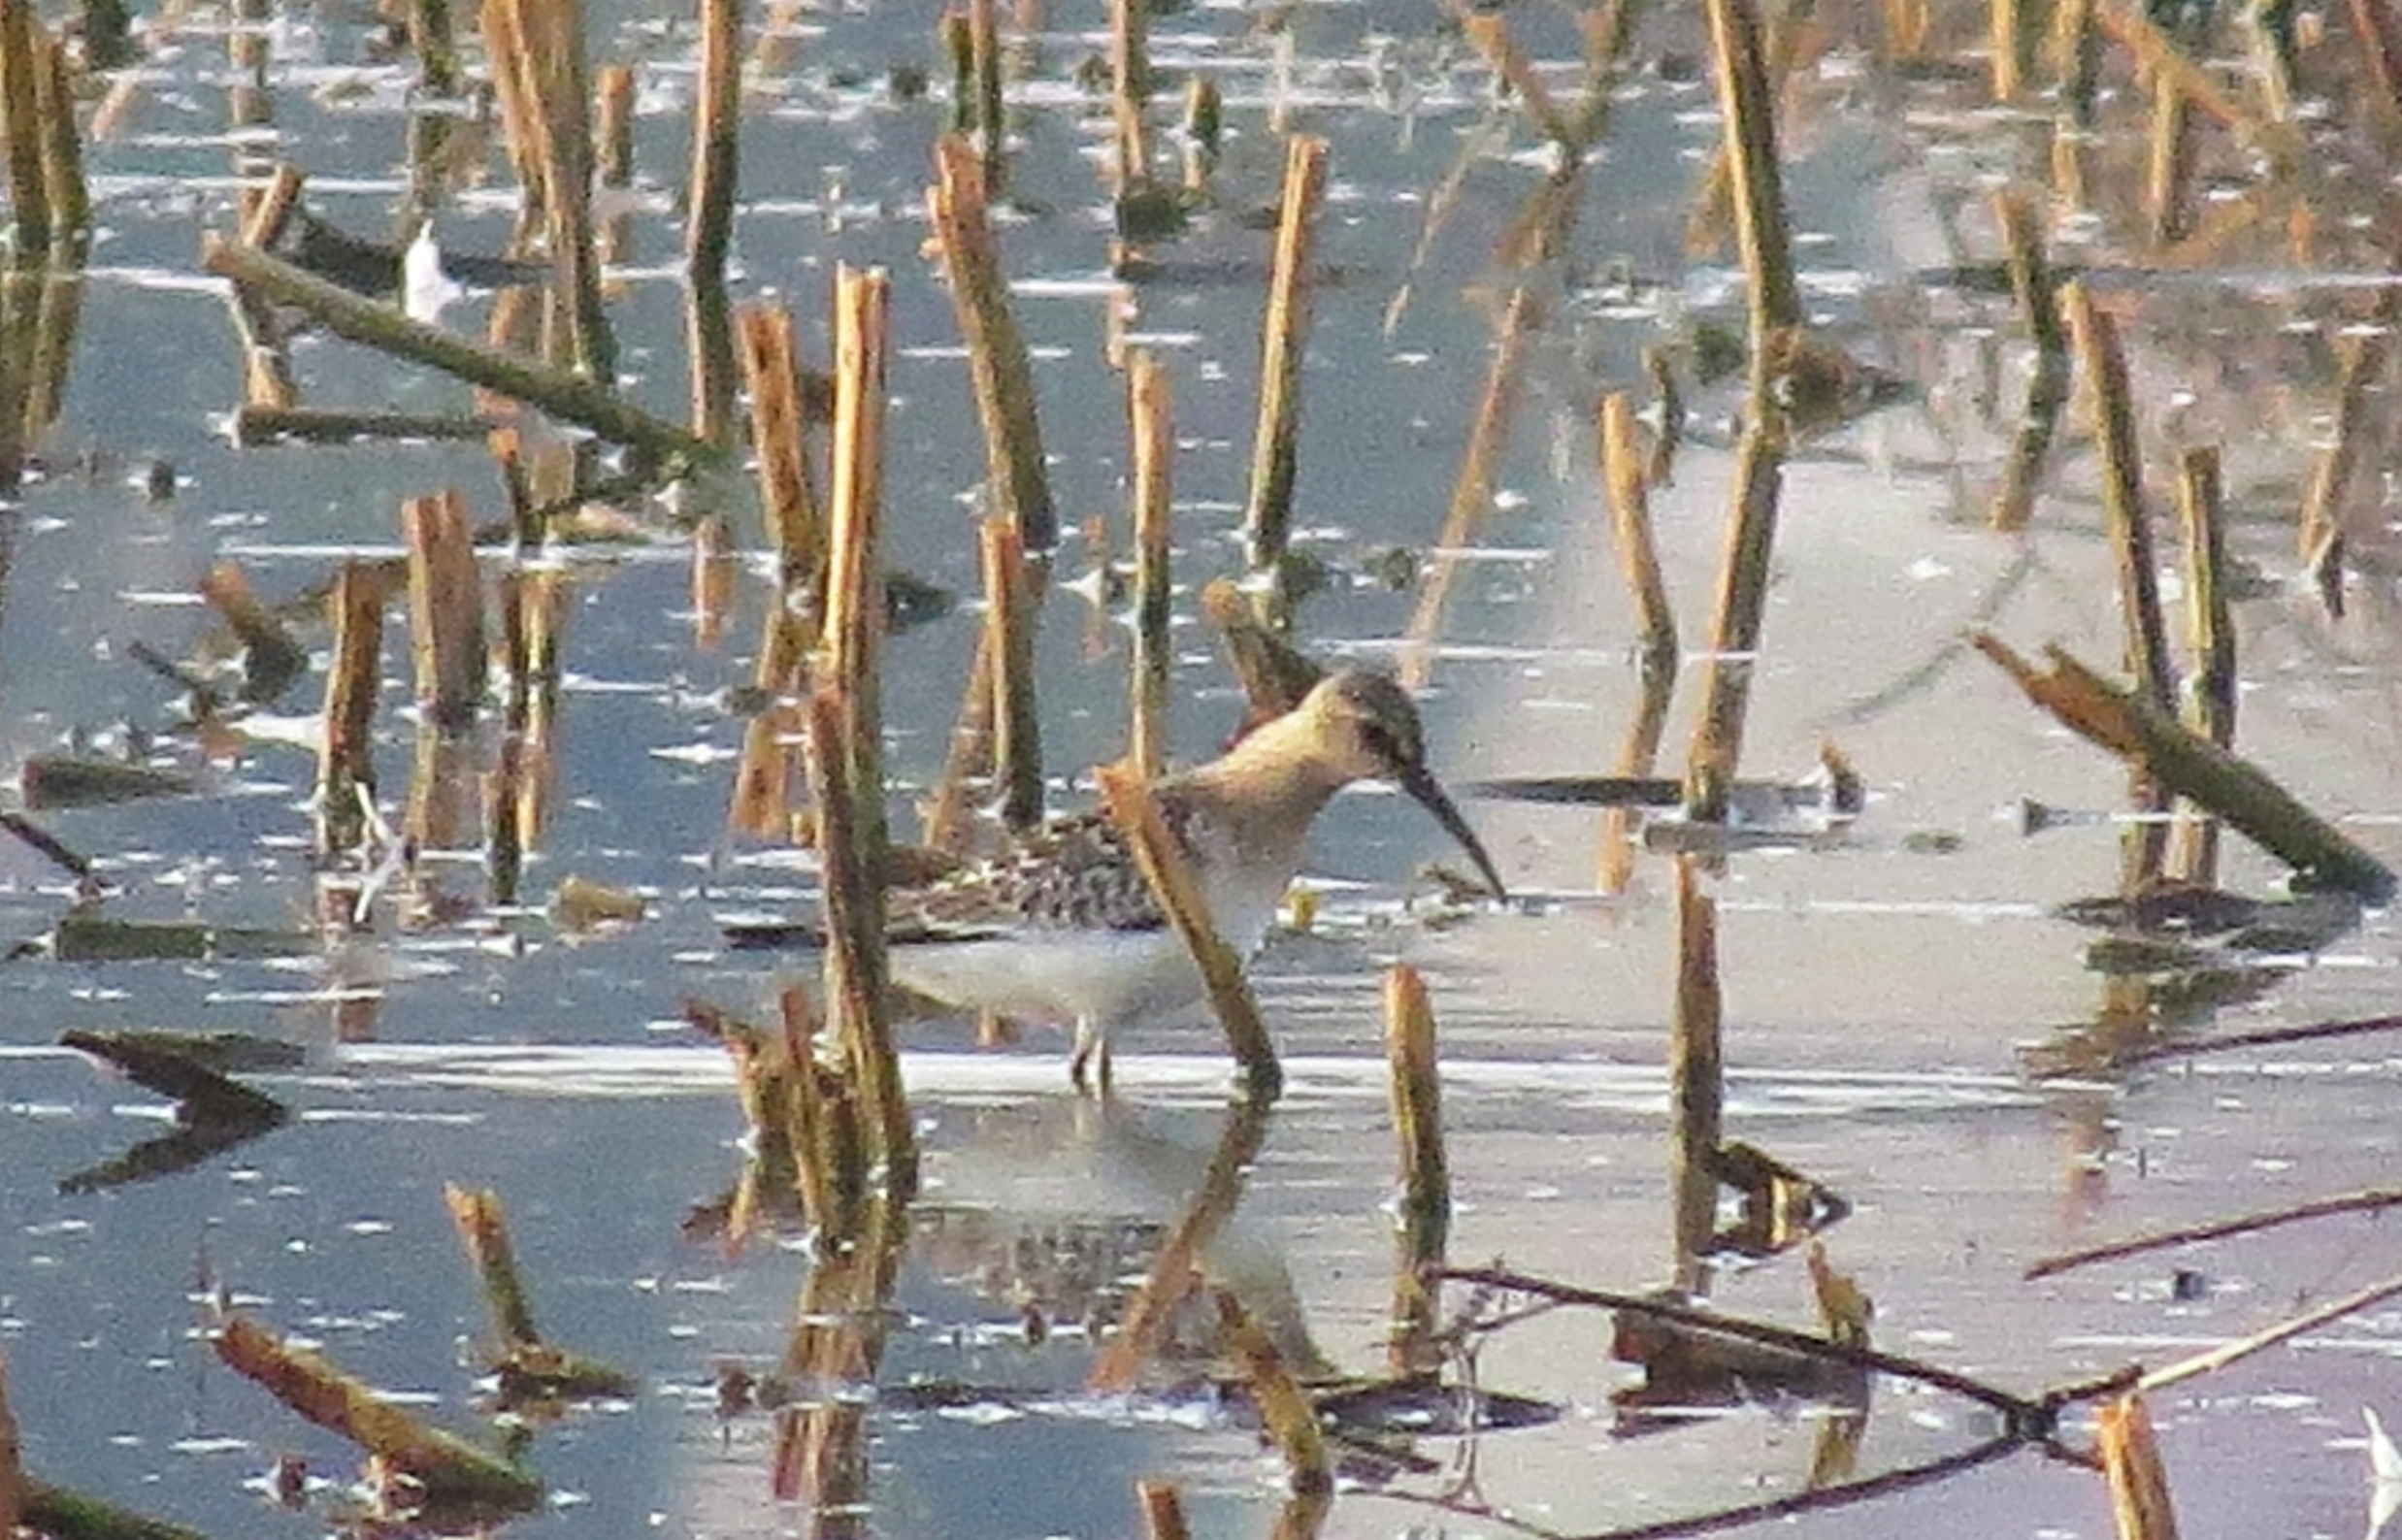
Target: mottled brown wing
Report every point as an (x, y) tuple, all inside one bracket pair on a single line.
[(1072, 875)]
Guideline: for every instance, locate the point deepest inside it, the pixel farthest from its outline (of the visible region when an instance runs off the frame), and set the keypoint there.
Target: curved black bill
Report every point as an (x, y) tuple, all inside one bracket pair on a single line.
[(1429, 793)]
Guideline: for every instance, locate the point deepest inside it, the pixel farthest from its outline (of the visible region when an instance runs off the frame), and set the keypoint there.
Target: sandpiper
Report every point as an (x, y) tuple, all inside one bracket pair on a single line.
[(1061, 924)]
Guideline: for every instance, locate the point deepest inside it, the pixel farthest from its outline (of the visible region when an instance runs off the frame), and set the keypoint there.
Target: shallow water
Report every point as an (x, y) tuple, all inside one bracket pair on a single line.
[(1877, 992)]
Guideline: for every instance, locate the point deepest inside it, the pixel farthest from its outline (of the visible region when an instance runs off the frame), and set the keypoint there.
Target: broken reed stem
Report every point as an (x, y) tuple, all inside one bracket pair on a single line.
[(2130, 724), (1490, 32), (1425, 1231), (997, 360), (273, 656), (1749, 116), (2123, 497), (1170, 874), (1130, 60), (259, 425), (1284, 1407), (1696, 1077), (1163, 1511), (1149, 405), (446, 609), (20, 109), (2379, 36), (450, 1469), (484, 1230), (1275, 448), (846, 717), (2168, 168), (584, 402), (546, 38), (779, 437), (2356, 400), (984, 67), (2139, 1501), (2210, 637), (1622, 472), (1472, 489), (716, 166), (950, 817), (2012, 45), (1204, 130), (2048, 388), (1009, 617), (348, 767)]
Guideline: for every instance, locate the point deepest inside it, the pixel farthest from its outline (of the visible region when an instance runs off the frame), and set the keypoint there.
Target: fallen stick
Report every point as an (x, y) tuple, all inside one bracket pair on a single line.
[(2367, 1201), (2133, 727), (2026, 1417), (2219, 1358), (450, 1469), (568, 397)]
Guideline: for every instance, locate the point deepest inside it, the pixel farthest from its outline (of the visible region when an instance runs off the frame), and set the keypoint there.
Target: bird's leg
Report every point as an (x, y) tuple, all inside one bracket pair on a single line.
[(1093, 1053)]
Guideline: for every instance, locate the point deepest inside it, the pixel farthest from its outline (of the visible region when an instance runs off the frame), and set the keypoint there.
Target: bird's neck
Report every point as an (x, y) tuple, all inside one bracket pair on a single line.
[(1277, 773)]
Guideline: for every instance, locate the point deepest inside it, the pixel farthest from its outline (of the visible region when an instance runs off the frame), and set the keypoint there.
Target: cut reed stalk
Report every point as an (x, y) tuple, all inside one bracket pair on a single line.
[(613, 126), (990, 127), (446, 609), (565, 396), (347, 770), (1424, 1230), (2210, 637), (1749, 112), (951, 815), (1623, 472), (2139, 1500), (1178, 892), (62, 147), (1204, 130), (1130, 60), (1163, 1511), (1154, 443), (1009, 617), (21, 111), (1737, 622), (539, 45), (716, 167), (2129, 521), (2013, 47), (1669, 402), (2168, 165), (2048, 388), (845, 728), (779, 437), (484, 1230), (1275, 448), (998, 364), (2356, 403)]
